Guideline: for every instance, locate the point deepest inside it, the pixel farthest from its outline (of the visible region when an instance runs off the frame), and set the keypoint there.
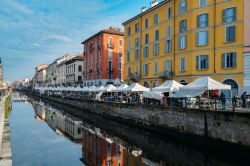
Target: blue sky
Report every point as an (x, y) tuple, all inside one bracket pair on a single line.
[(37, 31)]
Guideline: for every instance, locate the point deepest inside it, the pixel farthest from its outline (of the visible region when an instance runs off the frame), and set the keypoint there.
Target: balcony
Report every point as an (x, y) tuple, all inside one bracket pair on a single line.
[(167, 75), (98, 71), (111, 45)]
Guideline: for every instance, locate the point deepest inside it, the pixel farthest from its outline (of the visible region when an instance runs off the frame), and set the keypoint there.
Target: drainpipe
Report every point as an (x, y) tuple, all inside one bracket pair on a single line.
[(174, 38), (140, 59), (215, 36)]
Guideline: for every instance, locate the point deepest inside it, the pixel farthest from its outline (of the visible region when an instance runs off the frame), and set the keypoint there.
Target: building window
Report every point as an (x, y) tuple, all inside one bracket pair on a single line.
[(169, 13), (128, 53), (203, 3), (137, 72), (120, 60), (156, 68), (137, 27), (182, 6), (129, 31), (183, 64), (168, 66), (79, 78), (182, 42), (146, 23), (110, 41), (129, 71), (145, 69), (202, 20), (146, 41), (229, 60), (156, 21), (156, 43), (183, 26), (183, 82), (229, 15), (202, 62), (137, 48), (120, 43), (79, 68), (168, 44), (202, 38), (230, 34)]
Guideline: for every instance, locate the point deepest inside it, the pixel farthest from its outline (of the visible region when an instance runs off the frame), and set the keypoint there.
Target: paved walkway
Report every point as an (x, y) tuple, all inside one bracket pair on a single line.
[(5, 147)]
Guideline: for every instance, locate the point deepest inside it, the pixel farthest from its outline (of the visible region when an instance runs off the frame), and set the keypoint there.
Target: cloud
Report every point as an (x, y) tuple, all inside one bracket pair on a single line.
[(15, 6), (58, 38)]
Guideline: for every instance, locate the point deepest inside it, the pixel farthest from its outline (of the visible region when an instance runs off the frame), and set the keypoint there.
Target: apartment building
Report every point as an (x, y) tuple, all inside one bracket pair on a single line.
[(103, 57), (184, 39), (74, 70)]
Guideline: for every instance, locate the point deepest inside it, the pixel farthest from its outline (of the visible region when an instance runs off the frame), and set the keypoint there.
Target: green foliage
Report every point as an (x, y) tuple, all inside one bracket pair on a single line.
[(7, 106)]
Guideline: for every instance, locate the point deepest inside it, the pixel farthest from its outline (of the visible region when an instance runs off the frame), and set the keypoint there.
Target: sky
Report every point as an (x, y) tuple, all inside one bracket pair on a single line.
[(36, 32)]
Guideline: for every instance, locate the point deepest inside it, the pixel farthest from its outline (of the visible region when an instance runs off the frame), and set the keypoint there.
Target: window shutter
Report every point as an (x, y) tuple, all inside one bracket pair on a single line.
[(198, 21), (207, 19), (197, 63), (197, 38), (223, 61), (207, 62), (233, 33), (234, 60), (235, 14), (207, 37), (227, 31), (223, 15)]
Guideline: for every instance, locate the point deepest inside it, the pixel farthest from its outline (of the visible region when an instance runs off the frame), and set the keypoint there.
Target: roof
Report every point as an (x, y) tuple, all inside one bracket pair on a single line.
[(147, 11), (79, 58), (113, 31)]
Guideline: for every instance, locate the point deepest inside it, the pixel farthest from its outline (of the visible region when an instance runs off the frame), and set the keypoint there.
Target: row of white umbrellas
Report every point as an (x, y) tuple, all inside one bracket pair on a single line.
[(135, 87)]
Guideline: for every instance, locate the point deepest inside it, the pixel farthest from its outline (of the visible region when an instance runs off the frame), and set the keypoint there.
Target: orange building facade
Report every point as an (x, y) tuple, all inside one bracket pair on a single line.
[(103, 57)]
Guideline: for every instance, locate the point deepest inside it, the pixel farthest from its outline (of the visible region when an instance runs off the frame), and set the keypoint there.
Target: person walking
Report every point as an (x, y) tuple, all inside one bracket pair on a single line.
[(244, 99), (223, 100)]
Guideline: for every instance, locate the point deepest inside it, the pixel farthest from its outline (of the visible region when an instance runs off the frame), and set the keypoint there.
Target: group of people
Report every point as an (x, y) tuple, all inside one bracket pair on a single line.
[(243, 100)]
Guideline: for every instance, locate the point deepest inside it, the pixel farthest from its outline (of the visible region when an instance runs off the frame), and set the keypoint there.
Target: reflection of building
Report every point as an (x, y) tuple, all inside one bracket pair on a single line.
[(73, 127), (158, 47), (103, 57), (98, 150)]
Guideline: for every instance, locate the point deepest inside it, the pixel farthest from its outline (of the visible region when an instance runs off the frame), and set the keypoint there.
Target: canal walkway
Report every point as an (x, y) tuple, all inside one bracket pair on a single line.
[(5, 146)]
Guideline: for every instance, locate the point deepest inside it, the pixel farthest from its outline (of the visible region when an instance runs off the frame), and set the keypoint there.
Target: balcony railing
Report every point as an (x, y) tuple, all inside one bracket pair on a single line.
[(111, 45), (110, 70), (167, 75)]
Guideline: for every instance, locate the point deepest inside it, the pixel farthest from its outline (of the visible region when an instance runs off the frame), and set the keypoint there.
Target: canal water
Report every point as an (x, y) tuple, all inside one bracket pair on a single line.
[(42, 135)]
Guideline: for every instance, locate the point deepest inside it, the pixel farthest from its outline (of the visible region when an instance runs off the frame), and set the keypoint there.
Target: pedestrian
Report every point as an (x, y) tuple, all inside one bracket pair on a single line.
[(244, 98), (235, 101), (223, 100)]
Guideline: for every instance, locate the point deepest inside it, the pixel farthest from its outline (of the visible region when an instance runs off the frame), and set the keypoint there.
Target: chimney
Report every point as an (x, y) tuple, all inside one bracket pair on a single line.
[(154, 3), (143, 9)]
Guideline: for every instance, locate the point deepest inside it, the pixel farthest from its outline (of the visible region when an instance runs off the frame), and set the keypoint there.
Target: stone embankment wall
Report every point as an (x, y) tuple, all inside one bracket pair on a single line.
[(229, 127)]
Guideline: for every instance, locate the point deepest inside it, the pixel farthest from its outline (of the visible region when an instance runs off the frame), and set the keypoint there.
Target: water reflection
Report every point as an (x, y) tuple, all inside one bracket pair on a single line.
[(62, 123), (107, 143)]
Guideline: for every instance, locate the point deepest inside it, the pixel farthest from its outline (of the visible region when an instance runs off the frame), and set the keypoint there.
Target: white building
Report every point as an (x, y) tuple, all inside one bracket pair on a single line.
[(74, 70), (61, 69), (51, 75), (39, 79)]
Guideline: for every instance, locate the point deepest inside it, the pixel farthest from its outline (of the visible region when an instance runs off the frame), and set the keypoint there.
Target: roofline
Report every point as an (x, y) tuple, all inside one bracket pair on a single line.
[(147, 11), (101, 32)]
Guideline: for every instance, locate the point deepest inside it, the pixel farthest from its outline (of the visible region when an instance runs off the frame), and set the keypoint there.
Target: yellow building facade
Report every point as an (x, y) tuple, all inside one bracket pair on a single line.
[(186, 39)]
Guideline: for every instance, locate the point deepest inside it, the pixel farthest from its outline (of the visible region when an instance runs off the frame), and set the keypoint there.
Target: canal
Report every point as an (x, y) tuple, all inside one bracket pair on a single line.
[(42, 135)]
